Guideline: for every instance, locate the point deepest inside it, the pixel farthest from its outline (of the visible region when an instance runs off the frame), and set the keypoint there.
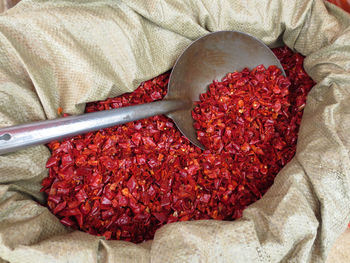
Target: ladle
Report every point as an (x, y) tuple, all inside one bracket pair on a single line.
[(208, 58)]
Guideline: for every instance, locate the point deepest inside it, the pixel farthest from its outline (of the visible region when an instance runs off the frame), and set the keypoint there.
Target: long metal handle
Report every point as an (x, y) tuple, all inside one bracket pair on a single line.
[(18, 137)]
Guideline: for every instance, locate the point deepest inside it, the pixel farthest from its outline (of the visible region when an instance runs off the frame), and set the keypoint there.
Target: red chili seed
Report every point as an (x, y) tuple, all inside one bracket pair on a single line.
[(59, 207), (67, 222), (124, 182), (54, 198)]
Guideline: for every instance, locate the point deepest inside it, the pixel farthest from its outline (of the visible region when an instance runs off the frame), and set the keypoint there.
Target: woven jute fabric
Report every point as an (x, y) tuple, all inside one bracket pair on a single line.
[(70, 52)]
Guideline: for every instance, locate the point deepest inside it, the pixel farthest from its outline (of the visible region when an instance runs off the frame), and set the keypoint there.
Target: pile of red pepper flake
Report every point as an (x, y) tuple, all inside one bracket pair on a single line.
[(127, 181)]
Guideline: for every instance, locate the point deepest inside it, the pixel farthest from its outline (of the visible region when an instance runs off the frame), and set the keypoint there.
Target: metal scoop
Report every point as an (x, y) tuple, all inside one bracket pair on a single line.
[(208, 58)]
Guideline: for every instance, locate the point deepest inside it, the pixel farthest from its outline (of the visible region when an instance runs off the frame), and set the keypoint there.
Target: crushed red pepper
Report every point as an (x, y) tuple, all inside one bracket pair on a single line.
[(126, 181)]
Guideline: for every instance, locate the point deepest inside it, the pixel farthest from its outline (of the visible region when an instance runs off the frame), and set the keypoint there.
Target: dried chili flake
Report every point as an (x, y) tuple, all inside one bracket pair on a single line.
[(126, 181)]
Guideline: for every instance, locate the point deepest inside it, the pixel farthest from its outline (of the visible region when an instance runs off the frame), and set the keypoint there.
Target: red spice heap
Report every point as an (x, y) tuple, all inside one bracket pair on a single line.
[(126, 181)]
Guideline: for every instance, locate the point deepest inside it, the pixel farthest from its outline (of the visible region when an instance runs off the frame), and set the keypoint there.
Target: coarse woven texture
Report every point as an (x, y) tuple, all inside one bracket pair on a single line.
[(340, 251), (7, 4), (66, 53)]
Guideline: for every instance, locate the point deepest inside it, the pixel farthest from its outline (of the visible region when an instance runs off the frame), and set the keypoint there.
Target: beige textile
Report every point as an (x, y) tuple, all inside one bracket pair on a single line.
[(340, 251), (7, 4), (69, 52)]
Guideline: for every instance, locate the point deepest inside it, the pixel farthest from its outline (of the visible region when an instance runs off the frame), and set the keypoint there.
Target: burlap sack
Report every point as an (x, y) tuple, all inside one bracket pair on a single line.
[(66, 53)]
